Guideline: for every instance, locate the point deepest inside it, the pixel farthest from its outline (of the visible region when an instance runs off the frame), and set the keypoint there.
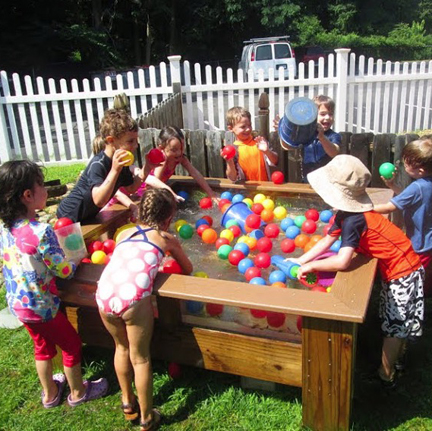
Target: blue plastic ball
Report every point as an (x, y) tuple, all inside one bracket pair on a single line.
[(227, 195), (292, 232), (277, 275), (237, 198), (243, 247), (258, 280), (286, 223), (194, 307), (336, 246), (199, 222), (183, 194), (256, 234), (244, 264), (325, 216)]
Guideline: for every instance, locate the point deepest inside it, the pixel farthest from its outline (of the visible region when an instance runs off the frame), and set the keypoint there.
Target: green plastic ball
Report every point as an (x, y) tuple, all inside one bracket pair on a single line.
[(74, 242), (294, 271), (186, 231), (223, 251), (386, 170), (299, 220), (231, 222)]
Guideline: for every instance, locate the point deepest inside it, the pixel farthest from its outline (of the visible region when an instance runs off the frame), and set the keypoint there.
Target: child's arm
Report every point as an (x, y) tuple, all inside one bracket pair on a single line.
[(391, 183), (177, 252), (155, 182), (330, 148), (196, 175), (231, 171), (125, 200), (385, 208)]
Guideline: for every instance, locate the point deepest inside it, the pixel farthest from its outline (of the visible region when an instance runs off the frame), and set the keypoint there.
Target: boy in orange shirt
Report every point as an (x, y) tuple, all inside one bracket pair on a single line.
[(253, 155)]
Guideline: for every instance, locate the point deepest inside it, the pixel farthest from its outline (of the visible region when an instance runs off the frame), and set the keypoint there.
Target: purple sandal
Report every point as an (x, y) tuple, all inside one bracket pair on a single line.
[(60, 381), (95, 389)]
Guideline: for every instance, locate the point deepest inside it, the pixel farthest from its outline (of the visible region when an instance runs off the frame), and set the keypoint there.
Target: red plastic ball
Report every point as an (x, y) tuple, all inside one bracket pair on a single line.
[(155, 156), (86, 260), (309, 226), (262, 260), (235, 230), (299, 323), (319, 288), (94, 246), (62, 222), (326, 229), (228, 151), (274, 319), (312, 214), (257, 208), (202, 228), (235, 257), (171, 266), (264, 244), (258, 314), (174, 370), (253, 221), (272, 230), (287, 245), (252, 272), (108, 246), (222, 203), (214, 309), (332, 219), (221, 241), (278, 177), (208, 219), (205, 203)]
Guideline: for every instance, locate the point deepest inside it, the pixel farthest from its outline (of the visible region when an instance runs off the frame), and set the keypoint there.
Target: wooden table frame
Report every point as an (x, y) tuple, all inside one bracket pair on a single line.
[(322, 365)]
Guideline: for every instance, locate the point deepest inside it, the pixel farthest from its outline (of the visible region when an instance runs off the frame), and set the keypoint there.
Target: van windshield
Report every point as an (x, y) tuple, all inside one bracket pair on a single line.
[(263, 52), (282, 50)]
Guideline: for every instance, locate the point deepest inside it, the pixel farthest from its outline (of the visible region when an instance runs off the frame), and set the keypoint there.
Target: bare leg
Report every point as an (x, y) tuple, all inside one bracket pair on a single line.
[(75, 380), (45, 373), (390, 352)]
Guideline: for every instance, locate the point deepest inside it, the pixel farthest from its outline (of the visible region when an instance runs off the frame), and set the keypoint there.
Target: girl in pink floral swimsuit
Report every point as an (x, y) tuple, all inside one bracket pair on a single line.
[(123, 297)]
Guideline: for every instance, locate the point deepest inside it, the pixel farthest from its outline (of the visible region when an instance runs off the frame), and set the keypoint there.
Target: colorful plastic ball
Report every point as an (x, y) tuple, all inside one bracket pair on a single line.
[(230, 223), (258, 314), (183, 194), (293, 271), (179, 223), (237, 198), (194, 307), (267, 215), (214, 309), (276, 276), (227, 195), (226, 233), (243, 238), (205, 203), (262, 260), (248, 202), (319, 288), (223, 202), (309, 226), (128, 158), (253, 221), (155, 156), (109, 246), (61, 223), (208, 219), (171, 266), (268, 204), (74, 242), (122, 228), (200, 274), (280, 212), (98, 257), (257, 234), (299, 323), (224, 209), (221, 241), (277, 177), (228, 151), (86, 260), (312, 214), (243, 247), (209, 236), (200, 222), (279, 284), (292, 232), (174, 370), (223, 251), (336, 246), (257, 208), (251, 242), (186, 231), (326, 228), (299, 220), (286, 223), (315, 238), (301, 240), (264, 245), (308, 246), (252, 272), (386, 170), (272, 230), (325, 216), (235, 257), (244, 265), (259, 198), (235, 230), (275, 319), (287, 245), (202, 228), (94, 245), (258, 280)]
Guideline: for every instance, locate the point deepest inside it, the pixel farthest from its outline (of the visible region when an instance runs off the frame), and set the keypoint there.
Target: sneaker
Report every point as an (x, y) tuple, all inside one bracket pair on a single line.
[(94, 389), (400, 364)]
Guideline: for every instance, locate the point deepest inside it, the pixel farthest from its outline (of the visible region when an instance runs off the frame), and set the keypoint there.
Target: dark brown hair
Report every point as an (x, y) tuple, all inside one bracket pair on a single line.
[(156, 206)]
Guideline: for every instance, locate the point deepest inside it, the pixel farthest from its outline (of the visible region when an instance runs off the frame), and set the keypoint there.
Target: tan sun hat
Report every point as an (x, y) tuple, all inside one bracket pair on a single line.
[(342, 184)]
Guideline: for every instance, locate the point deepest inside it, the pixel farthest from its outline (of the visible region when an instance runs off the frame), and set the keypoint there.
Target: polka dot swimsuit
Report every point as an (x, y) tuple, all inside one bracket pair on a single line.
[(129, 275)]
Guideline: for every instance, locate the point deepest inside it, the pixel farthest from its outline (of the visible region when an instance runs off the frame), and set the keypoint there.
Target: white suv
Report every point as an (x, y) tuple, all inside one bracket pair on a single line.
[(268, 53)]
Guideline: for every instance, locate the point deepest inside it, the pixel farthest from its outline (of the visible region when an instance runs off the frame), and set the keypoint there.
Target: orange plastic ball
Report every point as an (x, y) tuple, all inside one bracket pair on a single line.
[(251, 242), (279, 284), (225, 207), (209, 236), (267, 215), (315, 238), (308, 246), (301, 240)]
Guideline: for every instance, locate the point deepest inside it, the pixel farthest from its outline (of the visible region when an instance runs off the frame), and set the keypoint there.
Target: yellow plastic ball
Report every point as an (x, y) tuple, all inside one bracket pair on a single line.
[(179, 223), (227, 234), (251, 242), (248, 202), (129, 158), (243, 238), (98, 257), (201, 274), (268, 204), (259, 198), (280, 213), (122, 228)]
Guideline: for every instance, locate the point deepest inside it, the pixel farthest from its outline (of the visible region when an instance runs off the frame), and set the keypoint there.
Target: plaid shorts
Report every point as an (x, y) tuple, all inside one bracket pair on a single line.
[(402, 306)]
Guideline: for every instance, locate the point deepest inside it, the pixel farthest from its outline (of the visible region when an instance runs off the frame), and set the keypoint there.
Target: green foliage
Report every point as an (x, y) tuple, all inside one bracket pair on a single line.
[(65, 173)]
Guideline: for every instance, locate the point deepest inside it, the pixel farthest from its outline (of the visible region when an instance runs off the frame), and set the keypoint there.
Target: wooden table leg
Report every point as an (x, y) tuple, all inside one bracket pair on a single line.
[(328, 366)]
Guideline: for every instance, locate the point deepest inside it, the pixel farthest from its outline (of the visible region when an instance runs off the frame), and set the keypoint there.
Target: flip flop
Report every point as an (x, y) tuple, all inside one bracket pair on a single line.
[(60, 381), (94, 389), (133, 412), (153, 423)]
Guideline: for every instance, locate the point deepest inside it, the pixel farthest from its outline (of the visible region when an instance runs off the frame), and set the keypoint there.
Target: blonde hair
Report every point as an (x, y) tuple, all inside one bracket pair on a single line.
[(418, 154), (98, 144), (156, 206), (116, 122), (235, 114)]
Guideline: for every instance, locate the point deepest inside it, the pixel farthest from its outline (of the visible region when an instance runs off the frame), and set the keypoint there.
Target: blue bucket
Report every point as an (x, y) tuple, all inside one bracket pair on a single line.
[(239, 212), (299, 123)]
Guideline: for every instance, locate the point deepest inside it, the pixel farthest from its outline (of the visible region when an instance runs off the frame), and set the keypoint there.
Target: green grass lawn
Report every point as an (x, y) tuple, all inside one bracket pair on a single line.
[(205, 400)]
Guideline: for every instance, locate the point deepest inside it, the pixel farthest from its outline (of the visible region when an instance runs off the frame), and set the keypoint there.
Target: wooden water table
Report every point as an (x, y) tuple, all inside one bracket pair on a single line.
[(320, 359)]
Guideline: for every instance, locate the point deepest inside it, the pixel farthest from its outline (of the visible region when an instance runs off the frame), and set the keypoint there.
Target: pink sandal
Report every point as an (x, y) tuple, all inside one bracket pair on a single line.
[(95, 389), (60, 381)]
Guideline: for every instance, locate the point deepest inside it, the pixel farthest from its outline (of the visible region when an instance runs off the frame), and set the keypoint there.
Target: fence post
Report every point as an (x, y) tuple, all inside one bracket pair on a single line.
[(342, 88), (263, 115), (175, 70)]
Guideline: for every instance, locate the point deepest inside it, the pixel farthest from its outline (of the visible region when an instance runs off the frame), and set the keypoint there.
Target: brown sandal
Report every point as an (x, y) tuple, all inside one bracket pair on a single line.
[(153, 423), (131, 410)]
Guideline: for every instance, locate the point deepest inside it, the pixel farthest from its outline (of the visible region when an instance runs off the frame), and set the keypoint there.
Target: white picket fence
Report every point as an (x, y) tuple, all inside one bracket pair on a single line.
[(55, 121)]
